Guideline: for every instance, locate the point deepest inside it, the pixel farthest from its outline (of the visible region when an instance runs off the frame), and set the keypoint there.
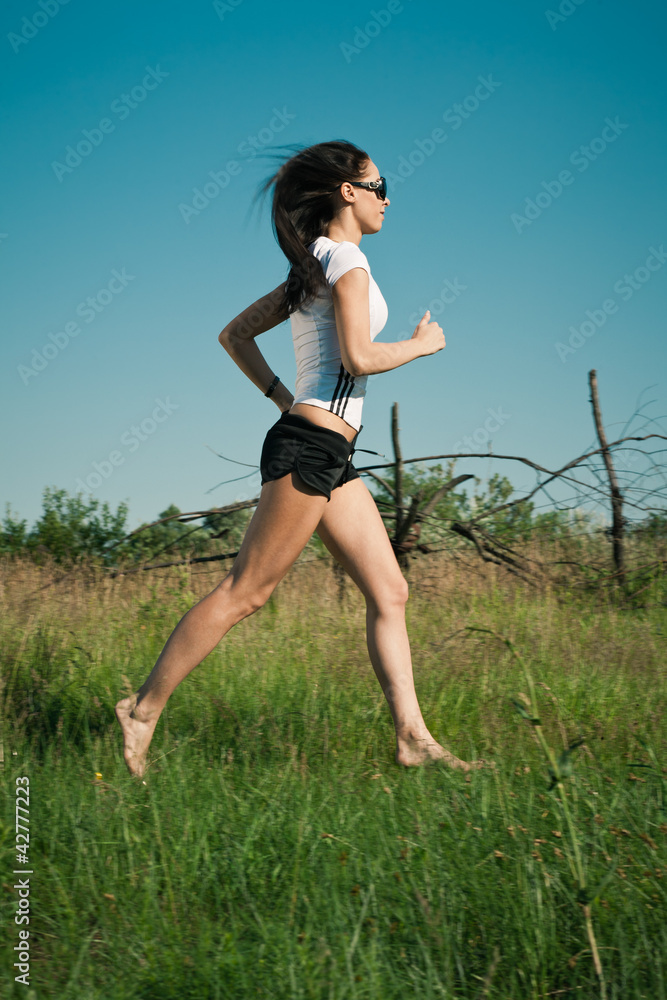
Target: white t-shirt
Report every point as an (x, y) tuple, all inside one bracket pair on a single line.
[(321, 379)]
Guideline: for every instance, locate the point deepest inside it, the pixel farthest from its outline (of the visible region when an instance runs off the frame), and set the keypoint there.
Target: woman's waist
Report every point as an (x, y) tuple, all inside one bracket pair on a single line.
[(320, 415)]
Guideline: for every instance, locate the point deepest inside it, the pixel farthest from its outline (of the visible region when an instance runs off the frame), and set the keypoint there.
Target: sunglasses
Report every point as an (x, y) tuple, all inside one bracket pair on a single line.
[(380, 187)]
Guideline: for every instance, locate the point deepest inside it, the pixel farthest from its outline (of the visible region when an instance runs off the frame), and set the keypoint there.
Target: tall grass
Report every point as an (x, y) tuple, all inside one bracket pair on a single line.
[(275, 849)]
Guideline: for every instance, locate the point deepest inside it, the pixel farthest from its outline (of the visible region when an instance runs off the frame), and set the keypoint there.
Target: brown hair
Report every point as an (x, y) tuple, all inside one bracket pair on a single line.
[(304, 203)]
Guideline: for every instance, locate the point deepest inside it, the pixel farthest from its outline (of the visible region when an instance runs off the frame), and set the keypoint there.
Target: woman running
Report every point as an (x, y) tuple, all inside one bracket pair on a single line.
[(326, 197)]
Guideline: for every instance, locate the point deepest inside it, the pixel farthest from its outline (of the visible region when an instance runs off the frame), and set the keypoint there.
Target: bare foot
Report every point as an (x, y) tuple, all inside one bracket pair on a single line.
[(413, 752), (137, 735)]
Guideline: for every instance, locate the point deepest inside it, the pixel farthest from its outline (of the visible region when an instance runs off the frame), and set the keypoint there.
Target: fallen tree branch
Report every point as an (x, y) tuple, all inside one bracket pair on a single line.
[(179, 562)]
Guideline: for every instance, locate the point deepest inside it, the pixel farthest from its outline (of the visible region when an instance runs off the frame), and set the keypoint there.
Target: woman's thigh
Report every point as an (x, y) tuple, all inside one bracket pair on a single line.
[(353, 531), (286, 516)]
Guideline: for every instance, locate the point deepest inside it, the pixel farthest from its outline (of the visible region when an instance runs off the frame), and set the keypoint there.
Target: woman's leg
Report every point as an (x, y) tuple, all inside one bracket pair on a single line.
[(352, 530), (285, 518)]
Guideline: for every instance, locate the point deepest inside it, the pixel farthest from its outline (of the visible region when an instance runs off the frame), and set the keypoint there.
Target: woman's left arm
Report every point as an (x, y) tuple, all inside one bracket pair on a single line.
[(238, 339)]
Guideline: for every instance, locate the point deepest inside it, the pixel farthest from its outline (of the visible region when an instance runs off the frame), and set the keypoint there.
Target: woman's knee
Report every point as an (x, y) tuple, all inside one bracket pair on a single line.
[(401, 590), (392, 596), (242, 596)]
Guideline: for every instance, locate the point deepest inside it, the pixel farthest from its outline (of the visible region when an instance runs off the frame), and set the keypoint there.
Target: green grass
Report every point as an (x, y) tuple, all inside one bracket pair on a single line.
[(275, 849)]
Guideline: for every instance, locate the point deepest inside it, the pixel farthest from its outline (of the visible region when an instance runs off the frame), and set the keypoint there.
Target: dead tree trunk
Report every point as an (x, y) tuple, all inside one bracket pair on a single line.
[(407, 529), (617, 519), (398, 469), (400, 543)]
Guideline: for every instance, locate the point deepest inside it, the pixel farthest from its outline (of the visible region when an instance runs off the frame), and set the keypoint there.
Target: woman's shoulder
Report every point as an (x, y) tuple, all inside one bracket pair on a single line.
[(323, 247), (329, 243), (337, 257)]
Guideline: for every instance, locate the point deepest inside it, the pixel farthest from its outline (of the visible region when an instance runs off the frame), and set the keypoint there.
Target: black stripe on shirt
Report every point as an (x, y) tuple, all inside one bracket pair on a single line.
[(336, 390), (339, 401), (344, 386), (347, 396)]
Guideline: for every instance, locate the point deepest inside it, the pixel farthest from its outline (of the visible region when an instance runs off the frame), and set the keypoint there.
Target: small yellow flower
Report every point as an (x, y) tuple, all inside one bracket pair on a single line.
[(98, 775)]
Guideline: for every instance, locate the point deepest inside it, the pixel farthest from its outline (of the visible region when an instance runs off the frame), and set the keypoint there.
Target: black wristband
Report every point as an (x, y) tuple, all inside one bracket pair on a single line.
[(275, 382)]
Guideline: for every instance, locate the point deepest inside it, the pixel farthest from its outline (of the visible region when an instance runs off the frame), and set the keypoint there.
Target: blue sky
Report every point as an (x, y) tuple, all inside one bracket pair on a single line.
[(525, 151)]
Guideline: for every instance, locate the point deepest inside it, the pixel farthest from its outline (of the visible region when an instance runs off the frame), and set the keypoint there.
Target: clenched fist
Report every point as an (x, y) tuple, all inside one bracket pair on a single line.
[(430, 336)]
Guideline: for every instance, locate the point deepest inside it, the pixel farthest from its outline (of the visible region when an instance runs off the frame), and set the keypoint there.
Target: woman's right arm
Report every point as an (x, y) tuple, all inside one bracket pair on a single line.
[(359, 354), (238, 339)]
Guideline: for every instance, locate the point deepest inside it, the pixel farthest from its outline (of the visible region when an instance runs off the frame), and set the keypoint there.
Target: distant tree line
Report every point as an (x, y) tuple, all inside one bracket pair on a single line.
[(422, 504), (72, 529)]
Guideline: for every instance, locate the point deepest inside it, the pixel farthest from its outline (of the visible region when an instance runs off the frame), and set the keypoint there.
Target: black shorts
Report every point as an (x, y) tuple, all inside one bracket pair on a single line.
[(321, 457)]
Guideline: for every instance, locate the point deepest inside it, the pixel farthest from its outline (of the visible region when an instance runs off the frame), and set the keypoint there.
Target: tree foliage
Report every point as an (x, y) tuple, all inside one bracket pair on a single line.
[(71, 529), (510, 525), (456, 505)]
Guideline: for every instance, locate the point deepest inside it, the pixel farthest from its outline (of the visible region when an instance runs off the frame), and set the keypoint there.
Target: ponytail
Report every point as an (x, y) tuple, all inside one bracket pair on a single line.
[(304, 203)]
